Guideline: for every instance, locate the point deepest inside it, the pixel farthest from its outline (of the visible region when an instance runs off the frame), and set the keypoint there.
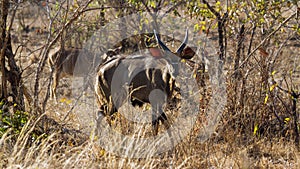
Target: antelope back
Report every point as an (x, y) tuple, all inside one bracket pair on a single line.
[(64, 60), (72, 61), (67, 61)]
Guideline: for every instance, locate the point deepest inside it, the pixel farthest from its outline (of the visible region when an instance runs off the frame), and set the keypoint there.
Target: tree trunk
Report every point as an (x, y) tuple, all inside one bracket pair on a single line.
[(13, 74), (3, 13)]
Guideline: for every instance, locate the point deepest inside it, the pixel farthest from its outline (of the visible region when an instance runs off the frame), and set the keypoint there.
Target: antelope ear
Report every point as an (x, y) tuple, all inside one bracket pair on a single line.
[(188, 53), (155, 52)]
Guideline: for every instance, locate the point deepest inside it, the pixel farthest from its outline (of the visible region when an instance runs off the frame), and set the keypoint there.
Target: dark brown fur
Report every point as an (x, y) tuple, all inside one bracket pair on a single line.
[(147, 78)]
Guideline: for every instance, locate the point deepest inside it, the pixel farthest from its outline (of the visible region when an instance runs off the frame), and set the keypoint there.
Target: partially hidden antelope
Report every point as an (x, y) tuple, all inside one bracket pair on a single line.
[(142, 74), (63, 63), (78, 62)]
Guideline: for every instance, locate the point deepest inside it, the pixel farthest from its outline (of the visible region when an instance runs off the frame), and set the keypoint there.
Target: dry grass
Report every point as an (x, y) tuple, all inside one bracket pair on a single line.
[(56, 151), (64, 138)]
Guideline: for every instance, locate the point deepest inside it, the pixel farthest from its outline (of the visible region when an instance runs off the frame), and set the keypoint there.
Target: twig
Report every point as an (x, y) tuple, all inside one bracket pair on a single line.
[(264, 40)]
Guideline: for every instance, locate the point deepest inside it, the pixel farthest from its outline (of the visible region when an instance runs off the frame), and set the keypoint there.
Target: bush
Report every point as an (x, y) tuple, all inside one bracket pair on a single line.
[(11, 118)]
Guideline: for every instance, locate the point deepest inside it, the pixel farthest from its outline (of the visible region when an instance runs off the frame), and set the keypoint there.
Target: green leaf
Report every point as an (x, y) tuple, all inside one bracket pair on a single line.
[(286, 120), (266, 99), (255, 129), (273, 87), (153, 4), (196, 27)]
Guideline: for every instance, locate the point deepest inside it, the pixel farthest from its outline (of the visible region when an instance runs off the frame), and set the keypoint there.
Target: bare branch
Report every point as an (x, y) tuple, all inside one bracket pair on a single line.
[(265, 39)]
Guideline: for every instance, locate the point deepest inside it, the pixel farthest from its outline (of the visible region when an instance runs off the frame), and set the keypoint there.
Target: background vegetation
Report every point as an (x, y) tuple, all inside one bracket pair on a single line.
[(258, 44)]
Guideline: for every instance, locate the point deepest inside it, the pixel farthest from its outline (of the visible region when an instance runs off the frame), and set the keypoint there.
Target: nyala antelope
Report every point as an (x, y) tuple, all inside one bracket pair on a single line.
[(143, 74)]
